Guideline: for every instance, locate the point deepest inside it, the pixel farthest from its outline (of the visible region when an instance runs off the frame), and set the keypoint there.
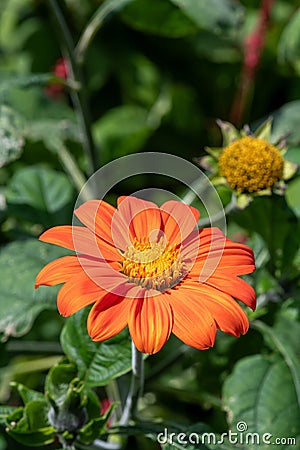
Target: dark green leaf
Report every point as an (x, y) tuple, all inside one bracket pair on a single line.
[(98, 363), (272, 219), (159, 17), (19, 302), (11, 135)]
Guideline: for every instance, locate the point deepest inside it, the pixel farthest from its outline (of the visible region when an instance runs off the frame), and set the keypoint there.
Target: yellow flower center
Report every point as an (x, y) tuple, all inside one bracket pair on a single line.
[(251, 164), (154, 265)]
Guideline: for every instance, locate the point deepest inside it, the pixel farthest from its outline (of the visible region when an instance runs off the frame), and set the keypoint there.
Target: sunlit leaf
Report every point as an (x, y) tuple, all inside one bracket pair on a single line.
[(98, 363)]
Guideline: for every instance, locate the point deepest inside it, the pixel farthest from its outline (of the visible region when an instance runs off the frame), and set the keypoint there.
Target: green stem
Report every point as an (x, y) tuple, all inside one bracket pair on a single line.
[(136, 386), (75, 174), (106, 9), (79, 97)]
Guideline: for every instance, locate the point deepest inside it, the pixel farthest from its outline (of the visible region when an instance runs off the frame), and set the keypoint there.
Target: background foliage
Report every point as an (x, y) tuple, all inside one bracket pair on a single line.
[(155, 77)]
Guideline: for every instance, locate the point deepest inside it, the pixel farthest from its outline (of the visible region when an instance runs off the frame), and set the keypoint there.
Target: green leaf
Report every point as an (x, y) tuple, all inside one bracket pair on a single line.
[(217, 16), (284, 337), (11, 135), (292, 195), (276, 223), (95, 427), (98, 363), (30, 426), (58, 380), (289, 44), (40, 194), (287, 123), (5, 411), (266, 402), (159, 17), (27, 394), (121, 131), (19, 302), (40, 187)]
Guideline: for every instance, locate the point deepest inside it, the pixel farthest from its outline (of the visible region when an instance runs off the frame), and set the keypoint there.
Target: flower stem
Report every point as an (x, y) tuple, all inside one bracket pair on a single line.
[(79, 96), (136, 386)]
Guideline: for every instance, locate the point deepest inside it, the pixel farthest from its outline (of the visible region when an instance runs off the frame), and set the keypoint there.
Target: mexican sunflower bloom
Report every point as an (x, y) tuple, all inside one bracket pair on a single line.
[(152, 270)]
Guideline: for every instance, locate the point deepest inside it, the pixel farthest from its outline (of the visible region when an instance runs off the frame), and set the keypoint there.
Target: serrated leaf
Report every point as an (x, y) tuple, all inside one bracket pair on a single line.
[(98, 362), (217, 16), (158, 17), (19, 302), (11, 135)]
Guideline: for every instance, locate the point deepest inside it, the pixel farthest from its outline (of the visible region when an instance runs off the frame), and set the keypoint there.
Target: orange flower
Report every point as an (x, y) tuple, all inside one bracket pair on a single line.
[(151, 269)]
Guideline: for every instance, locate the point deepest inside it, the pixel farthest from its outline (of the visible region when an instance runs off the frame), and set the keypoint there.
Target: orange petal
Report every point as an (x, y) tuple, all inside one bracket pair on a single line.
[(236, 287), (193, 322), (179, 220), (61, 236), (101, 218), (218, 252), (58, 271), (109, 316), (150, 323), (77, 293), (141, 217), (82, 240), (227, 313)]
